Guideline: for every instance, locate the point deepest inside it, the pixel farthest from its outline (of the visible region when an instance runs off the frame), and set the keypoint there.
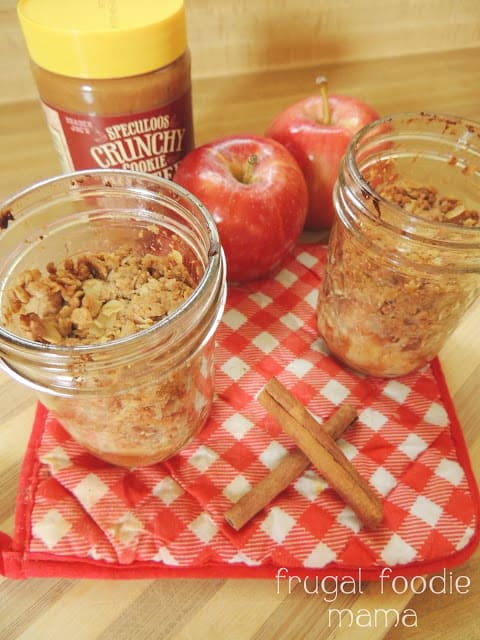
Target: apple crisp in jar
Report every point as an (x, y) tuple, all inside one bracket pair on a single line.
[(404, 252), (112, 286)]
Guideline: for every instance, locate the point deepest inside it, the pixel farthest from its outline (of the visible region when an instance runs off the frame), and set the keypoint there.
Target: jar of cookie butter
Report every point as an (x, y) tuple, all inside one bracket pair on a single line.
[(403, 260), (114, 81)]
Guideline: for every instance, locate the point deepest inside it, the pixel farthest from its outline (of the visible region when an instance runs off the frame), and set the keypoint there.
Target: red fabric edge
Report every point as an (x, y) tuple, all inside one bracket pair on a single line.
[(461, 449), (16, 562), (28, 482), (14, 547), (19, 565)]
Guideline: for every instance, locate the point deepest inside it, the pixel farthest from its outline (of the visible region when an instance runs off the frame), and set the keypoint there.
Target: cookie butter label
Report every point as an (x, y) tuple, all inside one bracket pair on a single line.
[(150, 142)]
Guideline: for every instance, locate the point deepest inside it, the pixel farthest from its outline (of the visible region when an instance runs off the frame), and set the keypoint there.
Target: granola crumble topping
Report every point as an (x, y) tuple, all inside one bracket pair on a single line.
[(428, 203), (421, 200), (97, 297)]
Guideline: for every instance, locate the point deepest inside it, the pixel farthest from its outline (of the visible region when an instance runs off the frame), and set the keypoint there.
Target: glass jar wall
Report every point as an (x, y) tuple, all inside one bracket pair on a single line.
[(404, 253), (133, 397)]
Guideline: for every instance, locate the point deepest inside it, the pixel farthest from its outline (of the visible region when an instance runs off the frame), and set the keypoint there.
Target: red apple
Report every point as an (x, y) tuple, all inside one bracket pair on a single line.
[(257, 195), (317, 131)]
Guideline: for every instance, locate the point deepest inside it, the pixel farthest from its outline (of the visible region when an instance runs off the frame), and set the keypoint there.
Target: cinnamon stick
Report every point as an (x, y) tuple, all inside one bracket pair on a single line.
[(323, 452), (287, 470)]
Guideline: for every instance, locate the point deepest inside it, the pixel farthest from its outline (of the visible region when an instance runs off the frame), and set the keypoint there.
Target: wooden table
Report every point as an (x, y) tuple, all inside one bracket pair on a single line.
[(51, 609)]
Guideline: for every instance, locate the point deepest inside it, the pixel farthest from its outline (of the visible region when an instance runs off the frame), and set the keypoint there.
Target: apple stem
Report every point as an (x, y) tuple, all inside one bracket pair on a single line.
[(251, 163), (322, 83)]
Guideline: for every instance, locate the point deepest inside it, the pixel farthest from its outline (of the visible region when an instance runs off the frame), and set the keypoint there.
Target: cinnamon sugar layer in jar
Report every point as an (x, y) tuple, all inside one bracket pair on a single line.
[(403, 260), (112, 284), (114, 81)]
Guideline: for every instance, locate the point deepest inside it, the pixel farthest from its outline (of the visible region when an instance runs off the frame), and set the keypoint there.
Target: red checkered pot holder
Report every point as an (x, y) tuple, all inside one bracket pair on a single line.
[(79, 516)]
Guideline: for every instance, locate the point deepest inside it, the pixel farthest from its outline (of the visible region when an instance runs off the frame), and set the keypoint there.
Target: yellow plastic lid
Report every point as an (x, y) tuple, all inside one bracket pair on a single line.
[(103, 38)]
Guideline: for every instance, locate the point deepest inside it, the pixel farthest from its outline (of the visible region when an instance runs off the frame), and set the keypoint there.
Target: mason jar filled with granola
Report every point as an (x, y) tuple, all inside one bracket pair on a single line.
[(112, 284), (403, 260)]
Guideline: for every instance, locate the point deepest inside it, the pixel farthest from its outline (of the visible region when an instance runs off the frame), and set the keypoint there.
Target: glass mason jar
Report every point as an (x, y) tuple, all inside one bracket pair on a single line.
[(133, 400), (404, 252)]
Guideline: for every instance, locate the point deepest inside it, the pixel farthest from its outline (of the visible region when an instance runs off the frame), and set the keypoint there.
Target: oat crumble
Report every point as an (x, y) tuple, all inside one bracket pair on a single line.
[(427, 203), (97, 297)]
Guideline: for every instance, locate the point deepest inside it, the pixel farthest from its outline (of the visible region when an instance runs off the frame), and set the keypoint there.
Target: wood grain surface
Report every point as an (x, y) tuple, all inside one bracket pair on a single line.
[(240, 36), (55, 609)]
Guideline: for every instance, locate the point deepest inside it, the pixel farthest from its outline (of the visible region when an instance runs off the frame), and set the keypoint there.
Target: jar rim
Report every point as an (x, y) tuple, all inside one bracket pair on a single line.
[(209, 277)]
